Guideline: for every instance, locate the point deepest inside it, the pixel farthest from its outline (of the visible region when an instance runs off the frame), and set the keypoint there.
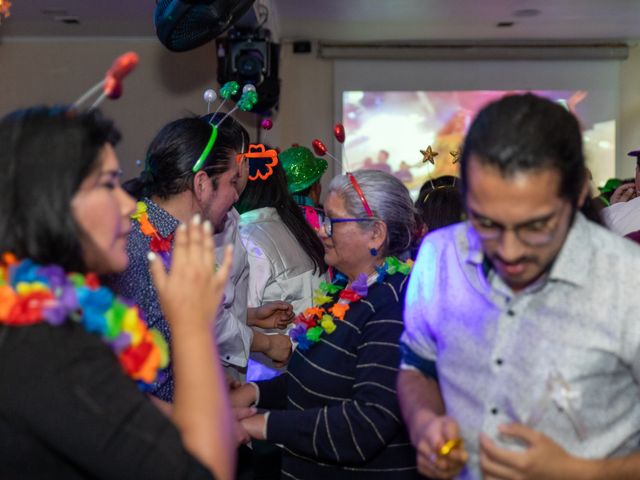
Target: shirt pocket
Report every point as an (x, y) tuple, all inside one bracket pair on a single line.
[(574, 388)]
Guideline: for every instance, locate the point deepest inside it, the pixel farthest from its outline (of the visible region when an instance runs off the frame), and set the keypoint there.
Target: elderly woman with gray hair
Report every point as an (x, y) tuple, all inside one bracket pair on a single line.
[(335, 412)]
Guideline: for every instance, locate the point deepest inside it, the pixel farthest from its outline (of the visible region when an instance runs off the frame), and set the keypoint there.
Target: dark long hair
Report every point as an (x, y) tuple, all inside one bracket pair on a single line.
[(45, 154), (440, 206), (176, 148), (273, 192)]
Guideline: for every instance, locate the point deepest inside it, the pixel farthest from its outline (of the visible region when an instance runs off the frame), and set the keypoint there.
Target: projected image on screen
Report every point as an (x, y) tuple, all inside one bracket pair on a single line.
[(388, 130)]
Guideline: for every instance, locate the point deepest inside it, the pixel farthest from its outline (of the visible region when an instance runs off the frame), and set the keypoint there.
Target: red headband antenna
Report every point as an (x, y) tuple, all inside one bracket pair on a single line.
[(321, 150)]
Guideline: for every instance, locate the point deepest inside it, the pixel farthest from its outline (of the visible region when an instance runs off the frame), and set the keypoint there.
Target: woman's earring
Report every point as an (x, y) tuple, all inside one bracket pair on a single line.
[(374, 252)]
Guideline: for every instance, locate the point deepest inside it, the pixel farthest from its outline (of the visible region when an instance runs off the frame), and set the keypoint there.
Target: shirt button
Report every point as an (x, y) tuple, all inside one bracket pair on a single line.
[(511, 313), (499, 361), (494, 411)]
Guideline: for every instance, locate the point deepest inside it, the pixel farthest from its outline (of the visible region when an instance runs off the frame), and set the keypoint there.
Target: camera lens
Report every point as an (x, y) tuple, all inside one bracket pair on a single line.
[(249, 63)]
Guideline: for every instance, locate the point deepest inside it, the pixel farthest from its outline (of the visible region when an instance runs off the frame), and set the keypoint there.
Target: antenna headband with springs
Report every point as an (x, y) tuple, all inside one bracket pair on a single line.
[(247, 101), (321, 149)]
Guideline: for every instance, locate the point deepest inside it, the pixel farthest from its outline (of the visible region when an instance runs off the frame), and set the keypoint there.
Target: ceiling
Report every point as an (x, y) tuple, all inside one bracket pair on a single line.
[(42, 18), (354, 20)]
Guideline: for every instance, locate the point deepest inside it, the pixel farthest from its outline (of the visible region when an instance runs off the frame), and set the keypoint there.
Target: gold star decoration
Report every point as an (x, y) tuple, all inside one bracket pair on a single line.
[(429, 155), (456, 155), (5, 5)]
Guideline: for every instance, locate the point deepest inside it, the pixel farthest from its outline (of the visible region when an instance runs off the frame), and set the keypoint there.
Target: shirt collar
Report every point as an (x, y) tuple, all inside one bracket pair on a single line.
[(472, 243), (229, 230), (575, 254), (263, 214), (162, 220)]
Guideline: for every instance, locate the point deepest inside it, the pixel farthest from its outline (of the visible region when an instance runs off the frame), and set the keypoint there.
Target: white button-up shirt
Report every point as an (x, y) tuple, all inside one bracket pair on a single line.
[(279, 269), (232, 333)]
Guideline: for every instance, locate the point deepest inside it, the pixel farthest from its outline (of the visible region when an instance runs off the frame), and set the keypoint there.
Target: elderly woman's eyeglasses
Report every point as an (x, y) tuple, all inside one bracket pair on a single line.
[(327, 222)]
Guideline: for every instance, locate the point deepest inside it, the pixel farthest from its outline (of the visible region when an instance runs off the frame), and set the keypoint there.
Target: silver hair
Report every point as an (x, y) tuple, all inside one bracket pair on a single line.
[(389, 200)]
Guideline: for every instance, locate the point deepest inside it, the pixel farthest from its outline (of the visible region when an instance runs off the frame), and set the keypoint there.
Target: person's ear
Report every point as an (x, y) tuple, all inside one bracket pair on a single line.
[(378, 235), (201, 183), (584, 192)]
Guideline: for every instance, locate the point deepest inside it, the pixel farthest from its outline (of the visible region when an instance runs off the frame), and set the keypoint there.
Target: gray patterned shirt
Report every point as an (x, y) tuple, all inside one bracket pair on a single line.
[(561, 356), (233, 336)]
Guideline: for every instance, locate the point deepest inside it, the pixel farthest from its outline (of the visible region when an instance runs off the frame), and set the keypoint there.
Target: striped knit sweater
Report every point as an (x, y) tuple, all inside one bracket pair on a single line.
[(335, 412)]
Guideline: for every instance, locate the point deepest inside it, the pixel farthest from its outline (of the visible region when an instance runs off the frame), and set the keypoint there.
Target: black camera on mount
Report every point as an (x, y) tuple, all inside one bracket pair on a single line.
[(249, 56)]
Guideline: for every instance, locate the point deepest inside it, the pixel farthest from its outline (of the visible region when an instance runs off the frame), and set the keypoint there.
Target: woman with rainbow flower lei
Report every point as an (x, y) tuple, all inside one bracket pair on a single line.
[(68, 344), (335, 411)]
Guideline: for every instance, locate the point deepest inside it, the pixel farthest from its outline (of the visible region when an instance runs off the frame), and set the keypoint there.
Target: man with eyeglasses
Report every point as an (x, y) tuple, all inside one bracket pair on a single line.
[(521, 350)]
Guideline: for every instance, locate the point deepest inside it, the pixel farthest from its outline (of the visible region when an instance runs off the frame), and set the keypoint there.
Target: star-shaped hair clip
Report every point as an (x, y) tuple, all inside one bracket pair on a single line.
[(455, 154), (429, 155)]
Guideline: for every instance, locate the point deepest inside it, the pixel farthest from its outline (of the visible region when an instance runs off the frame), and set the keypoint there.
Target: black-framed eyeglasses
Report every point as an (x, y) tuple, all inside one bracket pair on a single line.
[(327, 222), (536, 233)]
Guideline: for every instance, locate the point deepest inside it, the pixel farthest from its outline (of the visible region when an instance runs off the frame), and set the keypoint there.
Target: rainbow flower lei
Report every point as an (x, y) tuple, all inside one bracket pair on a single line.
[(31, 294), (159, 244), (319, 319)]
